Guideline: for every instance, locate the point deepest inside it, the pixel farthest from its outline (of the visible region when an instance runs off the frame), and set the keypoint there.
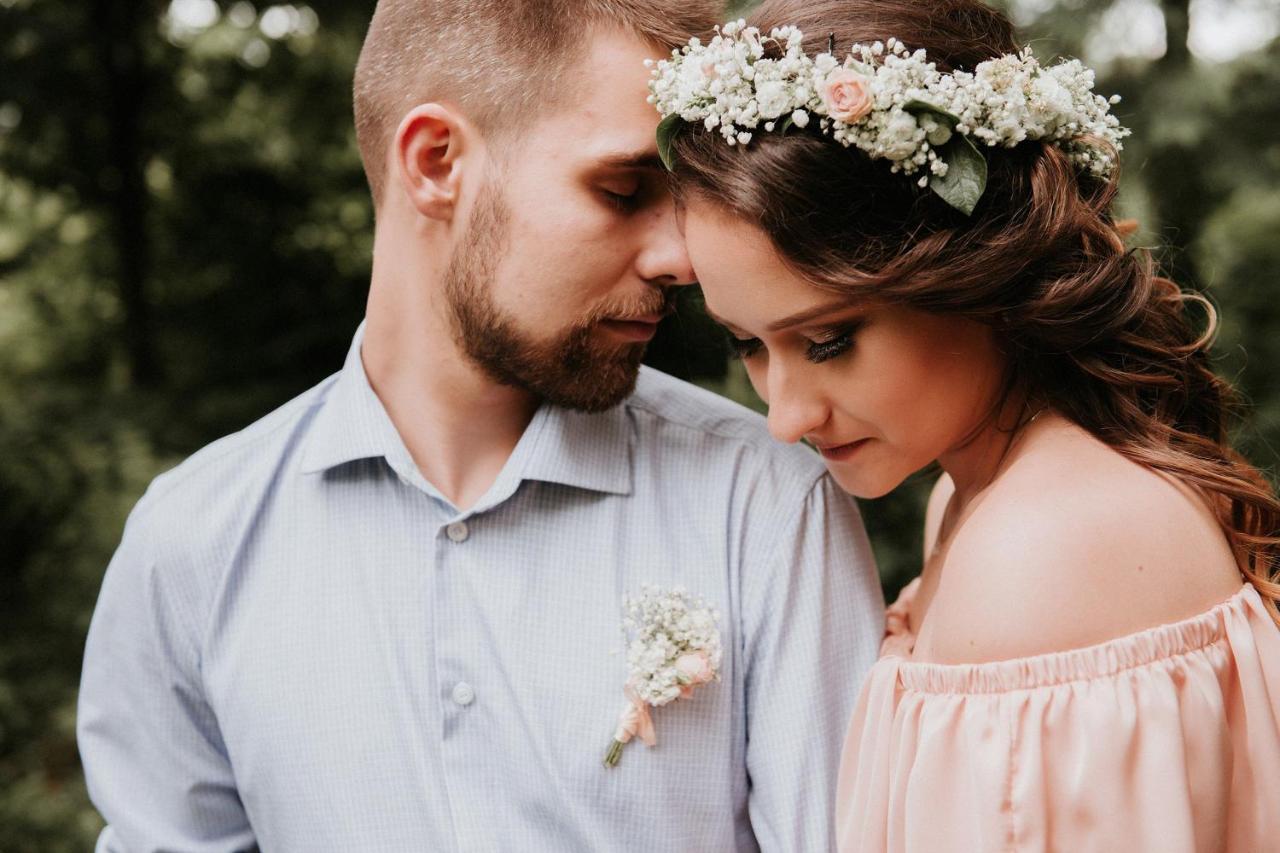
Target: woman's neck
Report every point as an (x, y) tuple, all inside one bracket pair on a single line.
[(975, 463)]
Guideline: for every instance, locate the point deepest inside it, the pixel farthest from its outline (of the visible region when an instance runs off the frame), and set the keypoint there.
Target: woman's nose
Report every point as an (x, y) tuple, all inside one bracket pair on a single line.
[(795, 410)]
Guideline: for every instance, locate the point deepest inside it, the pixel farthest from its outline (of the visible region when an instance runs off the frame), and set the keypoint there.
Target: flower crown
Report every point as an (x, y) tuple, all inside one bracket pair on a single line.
[(888, 101)]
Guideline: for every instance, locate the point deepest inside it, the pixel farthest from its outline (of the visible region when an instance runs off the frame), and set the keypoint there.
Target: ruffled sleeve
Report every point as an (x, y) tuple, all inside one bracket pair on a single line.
[(1166, 740)]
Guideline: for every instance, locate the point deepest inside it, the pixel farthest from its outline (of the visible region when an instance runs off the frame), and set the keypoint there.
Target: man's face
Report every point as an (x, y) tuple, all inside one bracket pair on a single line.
[(571, 251)]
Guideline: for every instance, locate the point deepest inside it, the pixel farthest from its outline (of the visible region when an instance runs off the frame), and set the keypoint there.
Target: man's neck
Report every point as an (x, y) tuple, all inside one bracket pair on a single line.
[(459, 425)]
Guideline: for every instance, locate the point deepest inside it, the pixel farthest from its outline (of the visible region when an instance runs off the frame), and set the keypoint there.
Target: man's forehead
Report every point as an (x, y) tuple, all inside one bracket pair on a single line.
[(587, 142), (603, 45), (598, 139), (610, 75), (601, 117)]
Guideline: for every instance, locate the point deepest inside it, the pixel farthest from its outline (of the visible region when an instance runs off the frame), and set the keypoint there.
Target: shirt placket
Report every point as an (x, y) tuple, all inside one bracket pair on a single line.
[(458, 663)]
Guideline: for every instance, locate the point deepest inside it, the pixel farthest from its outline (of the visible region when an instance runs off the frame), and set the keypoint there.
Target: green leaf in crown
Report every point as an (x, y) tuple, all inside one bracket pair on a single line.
[(966, 177), (666, 136)]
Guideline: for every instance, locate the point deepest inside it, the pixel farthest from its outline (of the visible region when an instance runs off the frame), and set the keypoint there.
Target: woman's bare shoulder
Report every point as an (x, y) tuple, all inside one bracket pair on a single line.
[(1075, 545)]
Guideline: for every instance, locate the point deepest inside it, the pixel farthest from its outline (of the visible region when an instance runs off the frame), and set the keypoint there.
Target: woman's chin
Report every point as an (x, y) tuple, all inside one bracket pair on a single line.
[(864, 484)]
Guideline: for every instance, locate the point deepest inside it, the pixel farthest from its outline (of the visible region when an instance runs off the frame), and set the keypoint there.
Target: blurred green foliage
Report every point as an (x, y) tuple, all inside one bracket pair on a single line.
[(184, 244)]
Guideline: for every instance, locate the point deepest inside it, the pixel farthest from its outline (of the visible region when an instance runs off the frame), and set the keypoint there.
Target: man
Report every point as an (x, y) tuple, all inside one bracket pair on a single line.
[(387, 616)]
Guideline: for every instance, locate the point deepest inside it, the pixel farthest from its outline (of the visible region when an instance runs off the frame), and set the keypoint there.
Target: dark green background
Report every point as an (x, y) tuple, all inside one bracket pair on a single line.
[(184, 244)]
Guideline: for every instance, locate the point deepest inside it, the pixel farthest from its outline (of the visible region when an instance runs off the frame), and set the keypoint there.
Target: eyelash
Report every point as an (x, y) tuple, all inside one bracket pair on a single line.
[(623, 203), (840, 342)]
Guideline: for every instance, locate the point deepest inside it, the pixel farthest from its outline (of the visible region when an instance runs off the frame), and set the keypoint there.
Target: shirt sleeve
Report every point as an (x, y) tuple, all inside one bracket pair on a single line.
[(813, 616), (154, 760)]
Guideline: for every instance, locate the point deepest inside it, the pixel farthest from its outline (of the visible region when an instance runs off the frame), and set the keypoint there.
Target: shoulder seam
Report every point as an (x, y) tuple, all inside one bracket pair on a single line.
[(788, 522), (755, 441), (800, 507), (319, 398)]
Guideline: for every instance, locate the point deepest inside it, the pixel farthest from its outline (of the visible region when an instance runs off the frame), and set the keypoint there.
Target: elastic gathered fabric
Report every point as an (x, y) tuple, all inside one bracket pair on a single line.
[(1165, 740)]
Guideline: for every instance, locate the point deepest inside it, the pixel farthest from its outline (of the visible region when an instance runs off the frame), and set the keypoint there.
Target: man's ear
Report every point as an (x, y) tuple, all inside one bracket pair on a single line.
[(428, 148)]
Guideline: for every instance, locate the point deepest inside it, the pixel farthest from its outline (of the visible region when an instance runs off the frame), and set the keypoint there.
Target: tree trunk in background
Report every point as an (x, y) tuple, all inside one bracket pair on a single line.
[(1177, 28), (117, 42), (1181, 196)]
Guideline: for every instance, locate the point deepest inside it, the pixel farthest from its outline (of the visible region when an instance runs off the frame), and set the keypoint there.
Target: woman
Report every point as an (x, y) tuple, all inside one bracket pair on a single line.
[(916, 257)]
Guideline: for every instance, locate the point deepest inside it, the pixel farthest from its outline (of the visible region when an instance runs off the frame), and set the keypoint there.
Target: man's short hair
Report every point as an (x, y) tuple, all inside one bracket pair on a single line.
[(501, 62)]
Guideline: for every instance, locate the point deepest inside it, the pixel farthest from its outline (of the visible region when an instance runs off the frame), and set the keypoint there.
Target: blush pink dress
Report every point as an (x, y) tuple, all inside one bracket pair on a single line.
[(1166, 740)]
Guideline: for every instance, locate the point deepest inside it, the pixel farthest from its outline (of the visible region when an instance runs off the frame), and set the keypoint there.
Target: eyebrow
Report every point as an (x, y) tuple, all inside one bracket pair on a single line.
[(631, 160), (802, 317), (798, 318)]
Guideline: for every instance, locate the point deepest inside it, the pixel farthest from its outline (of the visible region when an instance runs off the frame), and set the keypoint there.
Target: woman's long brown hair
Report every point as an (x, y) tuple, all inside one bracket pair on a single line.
[(1089, 327)]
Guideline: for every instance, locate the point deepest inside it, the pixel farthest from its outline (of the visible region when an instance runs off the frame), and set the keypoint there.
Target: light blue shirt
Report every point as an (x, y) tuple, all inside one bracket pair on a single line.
[(301, 645)]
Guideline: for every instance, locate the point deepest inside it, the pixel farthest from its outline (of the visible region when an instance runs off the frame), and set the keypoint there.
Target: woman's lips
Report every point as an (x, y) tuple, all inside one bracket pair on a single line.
[(842, 452)]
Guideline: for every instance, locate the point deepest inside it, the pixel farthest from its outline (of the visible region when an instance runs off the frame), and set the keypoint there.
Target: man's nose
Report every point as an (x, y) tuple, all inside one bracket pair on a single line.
[(664, 259)]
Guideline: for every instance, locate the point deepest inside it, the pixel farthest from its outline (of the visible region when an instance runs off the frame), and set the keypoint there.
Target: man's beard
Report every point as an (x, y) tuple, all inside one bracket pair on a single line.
[(574, 369)]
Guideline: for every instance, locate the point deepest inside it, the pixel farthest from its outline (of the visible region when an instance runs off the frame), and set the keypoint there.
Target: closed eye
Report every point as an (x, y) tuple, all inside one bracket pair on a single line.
[(623, 202), (623, 192), (836, 344), (743, 347)]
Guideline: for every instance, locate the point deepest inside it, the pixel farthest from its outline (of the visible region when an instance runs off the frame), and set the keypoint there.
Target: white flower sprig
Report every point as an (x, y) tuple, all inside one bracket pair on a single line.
[(888, 101), (674, 646)]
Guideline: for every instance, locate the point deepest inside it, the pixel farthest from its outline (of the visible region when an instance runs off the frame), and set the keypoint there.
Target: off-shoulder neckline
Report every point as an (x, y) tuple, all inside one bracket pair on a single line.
[(1099, 660)]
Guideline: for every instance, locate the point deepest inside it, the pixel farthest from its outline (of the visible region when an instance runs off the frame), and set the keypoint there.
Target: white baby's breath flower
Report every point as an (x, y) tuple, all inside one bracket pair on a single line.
[(663, 626), (673, 646), (742, 79)]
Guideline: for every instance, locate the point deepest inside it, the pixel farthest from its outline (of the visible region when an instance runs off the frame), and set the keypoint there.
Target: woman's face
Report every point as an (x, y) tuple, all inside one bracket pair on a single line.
[(881, 391)]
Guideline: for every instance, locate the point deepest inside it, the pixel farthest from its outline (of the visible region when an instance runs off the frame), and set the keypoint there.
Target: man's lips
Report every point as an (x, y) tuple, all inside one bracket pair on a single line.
[(638, 328), (841, 452), (635, 330), (652, 319)]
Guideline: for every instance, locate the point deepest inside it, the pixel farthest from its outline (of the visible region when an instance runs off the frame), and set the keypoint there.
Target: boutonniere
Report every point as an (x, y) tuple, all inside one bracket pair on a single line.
[(673, 647)]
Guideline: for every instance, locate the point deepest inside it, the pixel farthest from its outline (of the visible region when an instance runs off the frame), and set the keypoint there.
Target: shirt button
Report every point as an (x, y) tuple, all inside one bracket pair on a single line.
[(463, 694), (457, 531)]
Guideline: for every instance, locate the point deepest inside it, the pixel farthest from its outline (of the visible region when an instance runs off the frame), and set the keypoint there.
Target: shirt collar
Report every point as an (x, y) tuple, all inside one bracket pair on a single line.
[(584, 450), (352, 423), (587, 450)]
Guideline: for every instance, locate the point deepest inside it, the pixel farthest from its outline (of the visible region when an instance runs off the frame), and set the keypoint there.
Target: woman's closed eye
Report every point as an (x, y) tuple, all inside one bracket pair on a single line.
[(836, 343)]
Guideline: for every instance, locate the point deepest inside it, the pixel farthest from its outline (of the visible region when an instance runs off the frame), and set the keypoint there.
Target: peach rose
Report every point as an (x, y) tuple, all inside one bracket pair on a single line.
[(695, 667), (847, 95)]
